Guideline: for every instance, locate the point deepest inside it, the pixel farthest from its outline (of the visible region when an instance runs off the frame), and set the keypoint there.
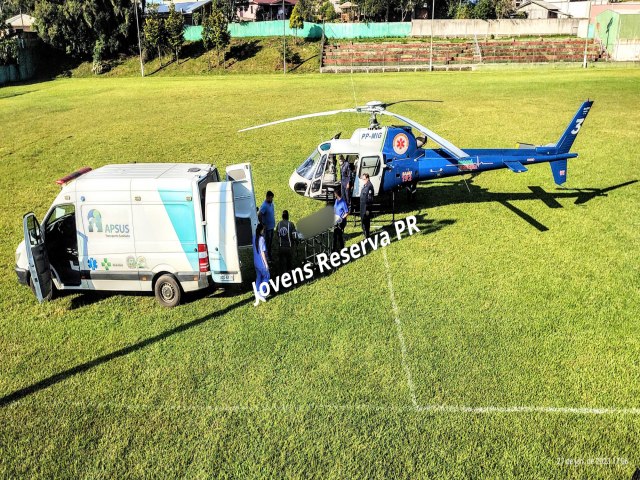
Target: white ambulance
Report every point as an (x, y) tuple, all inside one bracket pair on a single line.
[(163, 227)]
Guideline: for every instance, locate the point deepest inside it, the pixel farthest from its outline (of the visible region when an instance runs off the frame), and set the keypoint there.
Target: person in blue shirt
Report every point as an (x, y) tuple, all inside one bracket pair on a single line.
[(267, 217), (260, 258), (341, 210)]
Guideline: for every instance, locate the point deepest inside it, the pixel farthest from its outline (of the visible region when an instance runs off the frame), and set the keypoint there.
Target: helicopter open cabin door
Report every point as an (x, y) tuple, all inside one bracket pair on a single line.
[(372, 165), (39, 266), (315, 190)]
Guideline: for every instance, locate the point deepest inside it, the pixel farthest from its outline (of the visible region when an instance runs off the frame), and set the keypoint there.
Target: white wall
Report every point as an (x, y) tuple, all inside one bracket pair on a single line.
[(576, 9), (626, 51), (505, 27)]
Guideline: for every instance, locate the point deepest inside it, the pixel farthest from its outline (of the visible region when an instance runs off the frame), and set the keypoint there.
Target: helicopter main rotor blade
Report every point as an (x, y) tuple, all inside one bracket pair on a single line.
[(445, 144), (301, 117), (405, 101)]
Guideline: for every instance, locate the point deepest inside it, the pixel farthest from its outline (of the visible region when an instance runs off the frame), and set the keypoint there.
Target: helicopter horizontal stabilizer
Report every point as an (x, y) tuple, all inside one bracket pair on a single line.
[(515, 166)]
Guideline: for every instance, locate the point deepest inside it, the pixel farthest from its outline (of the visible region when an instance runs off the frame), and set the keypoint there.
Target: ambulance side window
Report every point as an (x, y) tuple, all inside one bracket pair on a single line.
[(58, 212)]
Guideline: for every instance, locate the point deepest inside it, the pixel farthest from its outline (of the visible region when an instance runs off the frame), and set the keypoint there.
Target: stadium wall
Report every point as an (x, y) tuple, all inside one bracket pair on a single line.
[(498, 28)]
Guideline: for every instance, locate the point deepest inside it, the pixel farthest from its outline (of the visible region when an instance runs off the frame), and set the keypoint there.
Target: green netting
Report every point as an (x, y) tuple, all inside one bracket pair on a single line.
[(310, 30), (607, 24), (629, 27)]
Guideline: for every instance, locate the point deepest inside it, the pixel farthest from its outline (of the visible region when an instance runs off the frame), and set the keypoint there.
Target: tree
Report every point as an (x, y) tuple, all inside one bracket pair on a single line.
[(215, 31), (327, 11), (174, 25), (8, 47), (207, 36), (464, 11), (75, 26), (154, 32), (484, 9), (504, 8), (296, 20), (405, 7)]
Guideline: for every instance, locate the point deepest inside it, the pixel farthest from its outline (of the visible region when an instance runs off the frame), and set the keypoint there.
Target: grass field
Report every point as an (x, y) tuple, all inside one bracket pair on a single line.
[(501, 342)]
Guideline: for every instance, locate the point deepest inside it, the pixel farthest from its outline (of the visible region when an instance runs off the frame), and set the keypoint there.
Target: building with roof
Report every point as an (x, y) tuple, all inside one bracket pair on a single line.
[(259, 10), (619, 32), (539, 9), (22, 23), (187, 9)]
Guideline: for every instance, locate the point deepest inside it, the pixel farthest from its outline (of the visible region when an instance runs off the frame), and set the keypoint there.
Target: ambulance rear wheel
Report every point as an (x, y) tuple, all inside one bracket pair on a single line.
[(167, 290)]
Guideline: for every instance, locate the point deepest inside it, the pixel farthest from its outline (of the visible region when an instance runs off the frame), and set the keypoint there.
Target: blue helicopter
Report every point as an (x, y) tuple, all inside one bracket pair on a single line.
[(395, 158)]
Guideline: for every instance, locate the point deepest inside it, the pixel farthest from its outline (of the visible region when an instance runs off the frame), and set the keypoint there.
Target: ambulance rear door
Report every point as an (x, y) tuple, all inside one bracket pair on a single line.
[(221, 234)]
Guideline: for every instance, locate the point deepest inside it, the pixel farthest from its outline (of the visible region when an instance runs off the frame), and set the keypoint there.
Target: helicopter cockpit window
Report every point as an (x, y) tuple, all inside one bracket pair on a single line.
[(307, 168), (321, 166)]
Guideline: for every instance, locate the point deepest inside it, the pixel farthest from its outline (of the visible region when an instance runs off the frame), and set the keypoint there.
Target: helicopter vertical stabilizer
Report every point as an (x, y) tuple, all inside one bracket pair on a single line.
[(570, 134)]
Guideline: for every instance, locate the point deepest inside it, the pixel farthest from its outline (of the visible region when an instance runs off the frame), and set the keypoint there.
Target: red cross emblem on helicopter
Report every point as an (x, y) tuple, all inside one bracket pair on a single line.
[(400, 143)]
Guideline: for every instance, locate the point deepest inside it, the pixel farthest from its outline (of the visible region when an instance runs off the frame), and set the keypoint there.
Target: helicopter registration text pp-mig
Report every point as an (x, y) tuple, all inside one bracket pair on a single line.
[(168, 228)]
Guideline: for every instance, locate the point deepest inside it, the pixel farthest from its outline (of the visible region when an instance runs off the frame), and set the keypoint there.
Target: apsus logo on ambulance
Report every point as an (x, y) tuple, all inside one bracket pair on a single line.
[(94, 218)]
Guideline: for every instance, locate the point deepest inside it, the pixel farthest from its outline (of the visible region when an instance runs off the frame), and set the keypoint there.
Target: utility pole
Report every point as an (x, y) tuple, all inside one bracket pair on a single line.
[(586, 37), (284, 41), (433, 8), (135, 6)]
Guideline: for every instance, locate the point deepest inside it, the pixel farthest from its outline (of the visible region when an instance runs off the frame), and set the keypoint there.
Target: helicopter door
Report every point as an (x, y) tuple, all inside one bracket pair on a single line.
[(39, 266), (373, 165), (318, 178)]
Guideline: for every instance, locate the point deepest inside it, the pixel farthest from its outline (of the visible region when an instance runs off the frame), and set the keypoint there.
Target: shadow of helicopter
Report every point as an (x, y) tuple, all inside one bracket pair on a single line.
[(442, 193)]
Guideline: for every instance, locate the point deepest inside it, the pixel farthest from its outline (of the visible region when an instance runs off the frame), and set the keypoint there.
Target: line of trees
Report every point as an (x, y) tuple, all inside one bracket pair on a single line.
[(99, 29)]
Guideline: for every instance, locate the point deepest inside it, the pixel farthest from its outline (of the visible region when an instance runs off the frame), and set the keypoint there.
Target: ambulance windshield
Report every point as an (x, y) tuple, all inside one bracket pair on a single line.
[(307, 168)]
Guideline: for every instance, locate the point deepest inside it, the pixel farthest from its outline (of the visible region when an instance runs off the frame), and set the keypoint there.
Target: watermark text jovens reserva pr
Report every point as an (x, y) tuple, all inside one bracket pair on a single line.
[(327, 262)]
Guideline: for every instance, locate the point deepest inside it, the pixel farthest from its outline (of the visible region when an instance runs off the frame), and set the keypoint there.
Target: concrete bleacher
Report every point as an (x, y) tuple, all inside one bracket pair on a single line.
[(392, 56)]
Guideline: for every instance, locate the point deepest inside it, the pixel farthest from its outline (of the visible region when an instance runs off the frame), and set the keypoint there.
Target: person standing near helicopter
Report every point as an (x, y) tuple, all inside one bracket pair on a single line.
[(345, 179), (366, 203), (260, 262)]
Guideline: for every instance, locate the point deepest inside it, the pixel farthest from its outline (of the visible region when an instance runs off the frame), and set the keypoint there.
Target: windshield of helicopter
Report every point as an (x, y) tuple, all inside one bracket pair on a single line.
[(307, 168)]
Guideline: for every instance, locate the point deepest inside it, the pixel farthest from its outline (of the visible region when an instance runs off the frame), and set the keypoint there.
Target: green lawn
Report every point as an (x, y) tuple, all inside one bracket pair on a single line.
[(244, 55), (519, 344)]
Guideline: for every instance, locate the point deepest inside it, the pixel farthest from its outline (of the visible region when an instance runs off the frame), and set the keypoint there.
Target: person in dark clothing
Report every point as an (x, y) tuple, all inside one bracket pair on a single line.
[(286, 232), (266, 216), (345, 179), (341, 211), (366, 203)]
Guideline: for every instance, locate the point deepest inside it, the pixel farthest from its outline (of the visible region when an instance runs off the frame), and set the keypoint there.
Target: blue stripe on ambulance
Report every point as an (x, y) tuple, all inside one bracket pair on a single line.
[(183, 218)]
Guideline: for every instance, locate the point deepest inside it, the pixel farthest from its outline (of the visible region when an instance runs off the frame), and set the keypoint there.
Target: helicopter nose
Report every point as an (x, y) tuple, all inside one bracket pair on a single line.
[(298, 183)]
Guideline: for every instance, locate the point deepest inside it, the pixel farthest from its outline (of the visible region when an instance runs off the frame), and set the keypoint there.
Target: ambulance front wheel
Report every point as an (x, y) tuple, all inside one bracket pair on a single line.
[(168, 291)]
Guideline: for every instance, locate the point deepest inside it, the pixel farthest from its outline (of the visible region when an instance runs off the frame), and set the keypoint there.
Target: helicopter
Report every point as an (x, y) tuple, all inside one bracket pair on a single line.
[(395, 158)]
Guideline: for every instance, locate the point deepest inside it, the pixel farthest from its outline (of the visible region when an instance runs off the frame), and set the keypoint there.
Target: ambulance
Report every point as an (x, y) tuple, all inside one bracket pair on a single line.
[(168, 228)]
